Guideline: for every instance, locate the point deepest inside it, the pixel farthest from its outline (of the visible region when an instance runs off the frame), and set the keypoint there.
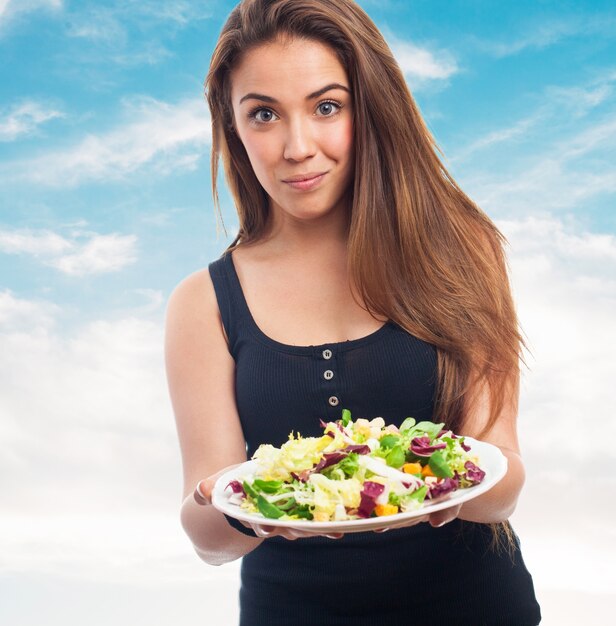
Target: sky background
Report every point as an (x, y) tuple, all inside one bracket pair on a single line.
[(105, 205)]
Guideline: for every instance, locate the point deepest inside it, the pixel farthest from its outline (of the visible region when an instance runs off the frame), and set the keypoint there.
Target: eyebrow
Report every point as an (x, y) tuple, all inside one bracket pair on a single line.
[(310, 96)]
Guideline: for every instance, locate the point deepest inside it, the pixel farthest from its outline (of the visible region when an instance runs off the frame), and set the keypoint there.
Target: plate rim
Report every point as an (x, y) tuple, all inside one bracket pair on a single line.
[(494, 475)]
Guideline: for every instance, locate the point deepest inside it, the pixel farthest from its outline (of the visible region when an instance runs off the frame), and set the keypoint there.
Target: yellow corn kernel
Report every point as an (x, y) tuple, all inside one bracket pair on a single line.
[(412, 468), (426, 471), (320, 516), (385, 509)]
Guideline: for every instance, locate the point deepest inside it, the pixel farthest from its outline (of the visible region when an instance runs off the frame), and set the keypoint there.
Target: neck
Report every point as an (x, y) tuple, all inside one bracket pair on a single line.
[(320, 236)]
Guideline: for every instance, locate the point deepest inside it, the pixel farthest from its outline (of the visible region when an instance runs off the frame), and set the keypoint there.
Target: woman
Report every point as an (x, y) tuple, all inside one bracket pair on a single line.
[(362, 277)]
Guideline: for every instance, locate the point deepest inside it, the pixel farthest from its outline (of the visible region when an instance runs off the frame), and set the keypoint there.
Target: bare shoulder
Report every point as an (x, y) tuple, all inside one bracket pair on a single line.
[(195, 290), (195, 298)]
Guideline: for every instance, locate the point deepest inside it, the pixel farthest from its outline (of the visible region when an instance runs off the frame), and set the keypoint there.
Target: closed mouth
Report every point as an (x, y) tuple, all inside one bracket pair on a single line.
[(302, 177)]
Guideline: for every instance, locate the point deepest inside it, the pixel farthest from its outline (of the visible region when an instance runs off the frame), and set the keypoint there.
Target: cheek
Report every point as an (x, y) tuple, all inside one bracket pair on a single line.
[(261, 152), (338, 141)]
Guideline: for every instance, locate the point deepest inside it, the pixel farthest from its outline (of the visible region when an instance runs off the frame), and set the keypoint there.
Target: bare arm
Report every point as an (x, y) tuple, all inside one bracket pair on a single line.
[(497, 504), (200, 376)]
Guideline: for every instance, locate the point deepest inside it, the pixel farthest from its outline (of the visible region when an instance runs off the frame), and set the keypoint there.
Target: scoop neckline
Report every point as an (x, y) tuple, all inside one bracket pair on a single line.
[(259, 334)]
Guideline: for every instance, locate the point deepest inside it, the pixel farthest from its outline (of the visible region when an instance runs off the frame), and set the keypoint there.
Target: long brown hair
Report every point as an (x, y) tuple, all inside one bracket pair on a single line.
[(441, 272)]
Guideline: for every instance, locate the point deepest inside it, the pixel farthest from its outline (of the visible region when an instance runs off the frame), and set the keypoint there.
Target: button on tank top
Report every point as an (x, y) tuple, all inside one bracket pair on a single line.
[(417, 575)]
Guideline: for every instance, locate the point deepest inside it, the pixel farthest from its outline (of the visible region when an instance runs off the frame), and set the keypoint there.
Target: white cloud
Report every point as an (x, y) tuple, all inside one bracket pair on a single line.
[(160, 218), (565, 291), (71, 601), (24, 119), (99, 23), (17, 313), (181, 12), (552, 181), (564, 284), (551, 31), (560, 107), (418, 62), (125, 33), (83, 253), (595, 137), (565, 244), (12, 8), (36, 243), (421, 65), (566, 295), (100, 254), (565, 159), (110, 22), (90, 475), (578, 100), (154, 301), (518, 130), (164, 136), (100, 397)]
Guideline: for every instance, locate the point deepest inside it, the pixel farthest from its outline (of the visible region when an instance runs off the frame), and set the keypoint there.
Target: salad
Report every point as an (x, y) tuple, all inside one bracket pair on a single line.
[(357, 469)]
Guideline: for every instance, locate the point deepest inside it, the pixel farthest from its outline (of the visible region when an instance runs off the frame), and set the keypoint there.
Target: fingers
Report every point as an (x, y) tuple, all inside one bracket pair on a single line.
[(265, 531), (202, 493), (440, 518), (269, 531)]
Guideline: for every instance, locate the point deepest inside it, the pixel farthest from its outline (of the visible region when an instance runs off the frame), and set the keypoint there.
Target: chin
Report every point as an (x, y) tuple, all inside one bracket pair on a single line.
[(312, 212)]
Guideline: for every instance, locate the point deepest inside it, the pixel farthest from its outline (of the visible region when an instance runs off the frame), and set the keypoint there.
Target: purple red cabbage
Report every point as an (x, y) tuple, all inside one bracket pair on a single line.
[(237, 487), (473, 473), (464, 446), (329, 458), (369, 494), (441, 488), (302, 476), (421, 446), (360, 448)]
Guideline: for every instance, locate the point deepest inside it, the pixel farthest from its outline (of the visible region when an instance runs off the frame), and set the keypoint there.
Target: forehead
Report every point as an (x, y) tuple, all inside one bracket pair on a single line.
[(286, 70)]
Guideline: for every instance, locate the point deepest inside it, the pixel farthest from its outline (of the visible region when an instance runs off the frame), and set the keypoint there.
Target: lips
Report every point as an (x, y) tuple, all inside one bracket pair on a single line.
[(305, 182), (302, 177)]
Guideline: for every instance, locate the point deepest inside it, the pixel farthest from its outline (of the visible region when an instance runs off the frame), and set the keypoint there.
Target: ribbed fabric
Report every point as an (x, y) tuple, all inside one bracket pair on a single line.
[(418, 575)]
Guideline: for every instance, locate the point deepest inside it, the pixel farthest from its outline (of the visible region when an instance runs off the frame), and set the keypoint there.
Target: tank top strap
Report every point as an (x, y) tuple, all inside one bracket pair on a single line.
[(230, 298)]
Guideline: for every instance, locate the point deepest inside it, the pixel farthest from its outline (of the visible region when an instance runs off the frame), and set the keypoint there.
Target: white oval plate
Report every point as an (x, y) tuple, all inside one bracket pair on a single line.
[(491, 460)]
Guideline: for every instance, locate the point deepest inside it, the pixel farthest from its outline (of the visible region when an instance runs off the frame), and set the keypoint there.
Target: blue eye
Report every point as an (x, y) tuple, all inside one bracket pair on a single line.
[(328, 108), (265, 118), (263, 115)]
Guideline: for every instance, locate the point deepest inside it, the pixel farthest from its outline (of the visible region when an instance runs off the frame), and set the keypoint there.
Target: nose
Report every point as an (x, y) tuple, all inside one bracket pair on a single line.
[(299, 141)]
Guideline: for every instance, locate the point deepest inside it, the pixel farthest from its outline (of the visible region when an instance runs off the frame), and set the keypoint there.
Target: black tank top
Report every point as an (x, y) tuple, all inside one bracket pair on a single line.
[(418, 575)]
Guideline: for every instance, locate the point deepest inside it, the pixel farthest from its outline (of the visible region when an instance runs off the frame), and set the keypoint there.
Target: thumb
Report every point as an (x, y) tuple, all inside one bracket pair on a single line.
[(204, 488), (203, 492)]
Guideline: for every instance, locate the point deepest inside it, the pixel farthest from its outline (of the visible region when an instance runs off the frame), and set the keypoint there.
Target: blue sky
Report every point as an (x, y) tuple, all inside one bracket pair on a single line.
[(105, 205)]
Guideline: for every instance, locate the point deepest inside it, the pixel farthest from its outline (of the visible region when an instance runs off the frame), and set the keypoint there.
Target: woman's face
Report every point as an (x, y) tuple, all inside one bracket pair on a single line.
[(293, 112)]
